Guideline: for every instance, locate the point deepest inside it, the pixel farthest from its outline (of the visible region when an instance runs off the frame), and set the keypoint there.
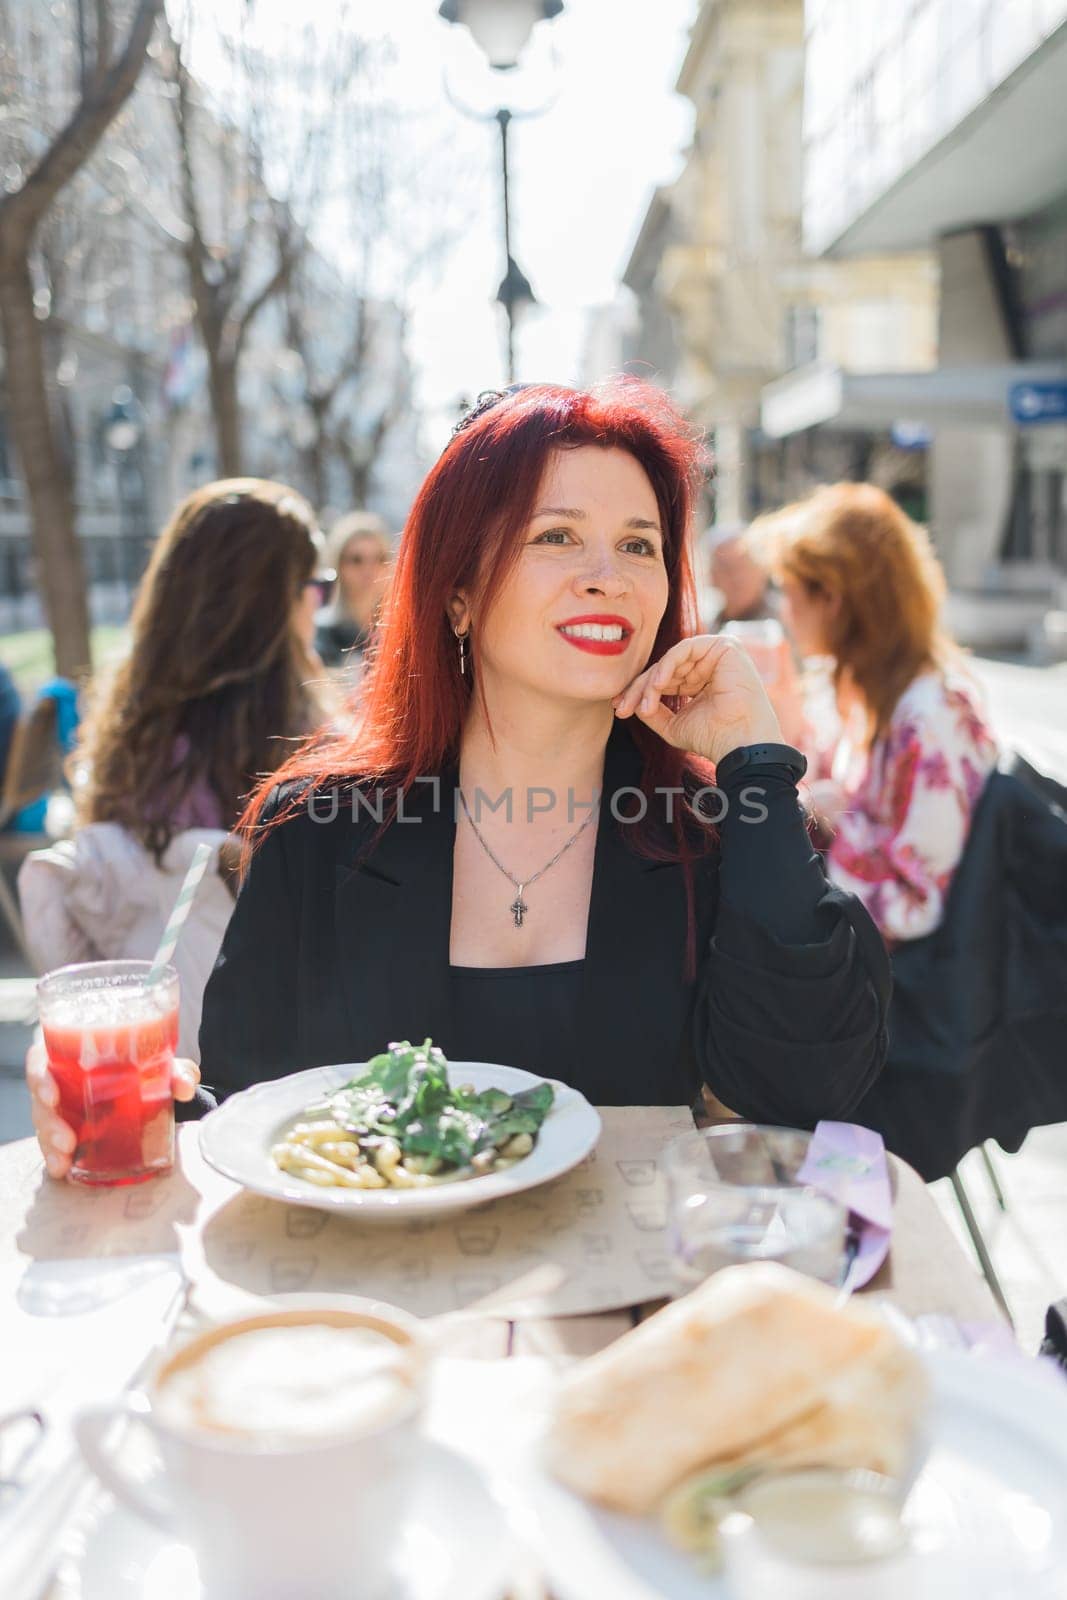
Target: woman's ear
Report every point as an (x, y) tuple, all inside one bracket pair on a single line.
[(459, 614)]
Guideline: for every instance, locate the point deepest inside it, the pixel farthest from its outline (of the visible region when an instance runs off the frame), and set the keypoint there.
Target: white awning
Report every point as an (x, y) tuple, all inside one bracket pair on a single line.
[(947, 396), (1006, 158)]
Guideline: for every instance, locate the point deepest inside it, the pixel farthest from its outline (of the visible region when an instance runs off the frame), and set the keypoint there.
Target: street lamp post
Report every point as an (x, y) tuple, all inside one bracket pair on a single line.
[(514, 290), (123, 433), (501, 29)]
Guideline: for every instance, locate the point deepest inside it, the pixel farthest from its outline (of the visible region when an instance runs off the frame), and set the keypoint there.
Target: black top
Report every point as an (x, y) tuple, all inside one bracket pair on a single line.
[(521, 1016), (337, 636), (339, 943), (979, 1009)]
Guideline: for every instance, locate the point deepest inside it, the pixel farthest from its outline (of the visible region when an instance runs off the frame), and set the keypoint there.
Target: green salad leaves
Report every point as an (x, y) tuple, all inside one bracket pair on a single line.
[(404, 1095)]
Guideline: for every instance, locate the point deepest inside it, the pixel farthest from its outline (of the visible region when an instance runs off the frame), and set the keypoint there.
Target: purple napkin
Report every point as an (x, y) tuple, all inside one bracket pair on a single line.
[(848, 1163)]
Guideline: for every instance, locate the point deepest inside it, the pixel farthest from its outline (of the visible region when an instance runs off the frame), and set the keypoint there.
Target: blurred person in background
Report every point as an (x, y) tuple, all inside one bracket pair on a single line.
[(31, 818), (359, 551), (214, 693), (901, 757), (742, 603), (10, 711), (742, 582)]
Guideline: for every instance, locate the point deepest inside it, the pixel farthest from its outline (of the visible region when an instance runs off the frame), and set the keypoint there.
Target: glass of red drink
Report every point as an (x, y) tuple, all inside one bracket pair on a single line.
[(111, 1032)]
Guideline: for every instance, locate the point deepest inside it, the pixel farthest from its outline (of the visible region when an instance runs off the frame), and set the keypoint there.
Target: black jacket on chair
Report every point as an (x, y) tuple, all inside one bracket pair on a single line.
[(333, 951), (978, 1021)]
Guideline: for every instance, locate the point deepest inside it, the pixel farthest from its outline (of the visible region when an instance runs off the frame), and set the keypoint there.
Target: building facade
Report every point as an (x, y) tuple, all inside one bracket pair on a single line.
[(723, 253), (939, 125)]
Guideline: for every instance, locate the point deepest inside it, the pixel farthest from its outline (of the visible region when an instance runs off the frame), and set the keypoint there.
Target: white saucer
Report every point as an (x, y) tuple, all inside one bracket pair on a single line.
[(455, 1541)]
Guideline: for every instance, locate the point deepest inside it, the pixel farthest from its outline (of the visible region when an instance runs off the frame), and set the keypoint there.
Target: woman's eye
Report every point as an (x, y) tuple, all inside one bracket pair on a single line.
[(640, 547), (552, 536)]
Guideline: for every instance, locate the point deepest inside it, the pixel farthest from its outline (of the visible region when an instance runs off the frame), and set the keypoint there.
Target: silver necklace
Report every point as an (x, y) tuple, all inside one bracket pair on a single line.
[(518, 906)]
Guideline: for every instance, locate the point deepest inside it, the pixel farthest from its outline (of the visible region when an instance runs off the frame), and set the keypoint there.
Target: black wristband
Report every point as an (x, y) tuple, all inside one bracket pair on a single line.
[(761, 755)]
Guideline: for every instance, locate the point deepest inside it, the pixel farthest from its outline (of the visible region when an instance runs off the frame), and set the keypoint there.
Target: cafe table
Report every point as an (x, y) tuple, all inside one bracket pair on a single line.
[(43, 1223)]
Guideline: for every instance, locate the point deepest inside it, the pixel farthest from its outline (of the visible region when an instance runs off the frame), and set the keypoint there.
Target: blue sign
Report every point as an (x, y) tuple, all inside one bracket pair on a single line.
[(911, 435), (1037, 402)]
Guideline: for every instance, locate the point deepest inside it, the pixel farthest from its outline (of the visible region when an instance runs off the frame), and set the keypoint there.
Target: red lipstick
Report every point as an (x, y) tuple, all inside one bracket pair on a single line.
[(598, 647)]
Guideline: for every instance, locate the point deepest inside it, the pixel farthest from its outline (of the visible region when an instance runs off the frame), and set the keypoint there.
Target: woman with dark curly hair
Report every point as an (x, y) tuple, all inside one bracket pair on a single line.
[(216, 684), (213, 694)]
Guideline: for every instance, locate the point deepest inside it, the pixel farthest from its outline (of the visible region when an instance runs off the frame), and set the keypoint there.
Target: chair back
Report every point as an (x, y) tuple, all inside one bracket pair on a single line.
[(979, 1010), (34, 761)]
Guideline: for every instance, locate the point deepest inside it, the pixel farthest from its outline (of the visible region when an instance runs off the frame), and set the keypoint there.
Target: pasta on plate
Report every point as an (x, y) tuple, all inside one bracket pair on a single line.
[(401, 1124)]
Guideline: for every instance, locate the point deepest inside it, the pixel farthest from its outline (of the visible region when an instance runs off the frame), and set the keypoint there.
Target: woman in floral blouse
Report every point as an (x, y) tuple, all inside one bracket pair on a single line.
[(899, 747)]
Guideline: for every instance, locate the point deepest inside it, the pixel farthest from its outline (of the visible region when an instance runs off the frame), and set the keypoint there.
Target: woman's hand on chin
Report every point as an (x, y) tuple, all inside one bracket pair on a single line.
[(725, 706)]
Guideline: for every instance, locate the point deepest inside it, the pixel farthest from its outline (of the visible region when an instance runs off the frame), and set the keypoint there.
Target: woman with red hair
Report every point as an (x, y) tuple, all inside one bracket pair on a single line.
[(518, 849), (906, 753)]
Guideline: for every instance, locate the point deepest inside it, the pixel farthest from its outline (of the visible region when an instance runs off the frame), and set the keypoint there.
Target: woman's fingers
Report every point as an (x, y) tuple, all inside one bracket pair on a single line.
[(627, 702), (56, 1138), (41, 1082), (53, 1133), (651, 683), (687, 667), (185, 1078)]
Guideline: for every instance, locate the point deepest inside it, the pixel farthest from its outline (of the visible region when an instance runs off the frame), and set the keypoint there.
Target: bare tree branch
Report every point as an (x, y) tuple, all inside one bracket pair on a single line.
[(41, 441), (273, 286), (195, 248), (21, 211), (105, 41)]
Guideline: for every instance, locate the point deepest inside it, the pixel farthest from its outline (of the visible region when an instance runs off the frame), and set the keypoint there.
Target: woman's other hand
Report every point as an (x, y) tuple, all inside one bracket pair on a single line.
[(726, 703), (57, 1138)]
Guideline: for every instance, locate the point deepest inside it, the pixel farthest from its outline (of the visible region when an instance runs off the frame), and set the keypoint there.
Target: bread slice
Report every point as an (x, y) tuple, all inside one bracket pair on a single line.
[(758, 1364)]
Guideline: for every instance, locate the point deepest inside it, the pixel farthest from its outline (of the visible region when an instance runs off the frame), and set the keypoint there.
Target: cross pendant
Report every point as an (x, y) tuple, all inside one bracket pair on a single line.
[(518, 909)]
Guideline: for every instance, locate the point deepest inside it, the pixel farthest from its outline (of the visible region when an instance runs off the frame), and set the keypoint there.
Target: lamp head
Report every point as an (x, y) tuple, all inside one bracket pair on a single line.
[(500, 28)]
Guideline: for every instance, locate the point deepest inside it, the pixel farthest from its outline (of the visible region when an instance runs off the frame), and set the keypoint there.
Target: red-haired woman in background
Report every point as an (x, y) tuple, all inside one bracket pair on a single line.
[(907, 756), (535, 652)]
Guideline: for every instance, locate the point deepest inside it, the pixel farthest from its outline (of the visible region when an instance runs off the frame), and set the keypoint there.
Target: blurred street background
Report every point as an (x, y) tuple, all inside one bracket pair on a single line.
[(297, 242)]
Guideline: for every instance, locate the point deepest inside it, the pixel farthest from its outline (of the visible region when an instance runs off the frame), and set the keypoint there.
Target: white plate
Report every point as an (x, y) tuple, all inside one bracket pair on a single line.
[(237, 1138), (988, 1513), (456, 1541)]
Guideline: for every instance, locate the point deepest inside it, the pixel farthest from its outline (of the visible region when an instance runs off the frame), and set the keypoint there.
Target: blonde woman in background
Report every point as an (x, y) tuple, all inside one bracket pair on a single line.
[(359, 550), (902, 751)]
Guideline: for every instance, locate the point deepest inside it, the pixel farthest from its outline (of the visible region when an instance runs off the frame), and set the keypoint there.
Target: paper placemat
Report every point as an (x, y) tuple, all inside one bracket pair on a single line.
[(604, 1224)]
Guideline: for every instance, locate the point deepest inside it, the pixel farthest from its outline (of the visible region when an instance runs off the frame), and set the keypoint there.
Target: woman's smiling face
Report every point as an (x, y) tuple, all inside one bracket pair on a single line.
[(577, 615)]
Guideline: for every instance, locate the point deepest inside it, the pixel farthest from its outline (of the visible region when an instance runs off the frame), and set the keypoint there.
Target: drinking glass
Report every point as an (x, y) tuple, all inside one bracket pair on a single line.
[(733, 1196), (110, 1031)]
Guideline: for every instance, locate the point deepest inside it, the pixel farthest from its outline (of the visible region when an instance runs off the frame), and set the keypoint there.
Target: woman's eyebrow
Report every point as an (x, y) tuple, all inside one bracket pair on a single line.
[(575, 514)]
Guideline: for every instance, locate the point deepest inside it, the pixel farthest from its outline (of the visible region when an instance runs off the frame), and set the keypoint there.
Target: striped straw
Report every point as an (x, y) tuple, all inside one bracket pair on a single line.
[(182, 907)]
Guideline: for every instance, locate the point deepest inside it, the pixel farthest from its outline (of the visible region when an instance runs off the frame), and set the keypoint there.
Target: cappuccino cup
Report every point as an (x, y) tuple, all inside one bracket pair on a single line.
[(287, 1446)]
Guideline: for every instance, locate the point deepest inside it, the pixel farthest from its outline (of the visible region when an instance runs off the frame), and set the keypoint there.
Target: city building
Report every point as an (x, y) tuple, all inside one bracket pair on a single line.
[(730, 303), (939, 126)]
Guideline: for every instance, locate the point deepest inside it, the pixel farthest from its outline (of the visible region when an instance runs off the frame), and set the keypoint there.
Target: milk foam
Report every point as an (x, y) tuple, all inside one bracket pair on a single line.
[(290, 1383)]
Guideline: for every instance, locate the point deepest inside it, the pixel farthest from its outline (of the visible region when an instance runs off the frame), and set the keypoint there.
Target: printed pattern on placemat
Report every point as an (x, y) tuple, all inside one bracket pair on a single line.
[(603, 1223)]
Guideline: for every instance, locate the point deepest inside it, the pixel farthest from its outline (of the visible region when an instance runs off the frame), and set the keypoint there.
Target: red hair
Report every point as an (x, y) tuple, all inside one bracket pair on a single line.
[(465, 532), (852, 542)]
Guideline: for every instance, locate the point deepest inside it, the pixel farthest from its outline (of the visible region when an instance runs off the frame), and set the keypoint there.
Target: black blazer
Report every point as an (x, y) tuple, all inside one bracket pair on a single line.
[(979, 1011), (330, 955)]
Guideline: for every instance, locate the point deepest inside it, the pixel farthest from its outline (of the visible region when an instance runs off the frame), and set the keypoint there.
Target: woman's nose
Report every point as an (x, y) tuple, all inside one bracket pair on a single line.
[(603, 578)]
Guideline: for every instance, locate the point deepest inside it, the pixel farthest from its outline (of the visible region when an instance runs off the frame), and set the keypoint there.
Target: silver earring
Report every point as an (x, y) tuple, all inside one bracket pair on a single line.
[(462, 637)]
